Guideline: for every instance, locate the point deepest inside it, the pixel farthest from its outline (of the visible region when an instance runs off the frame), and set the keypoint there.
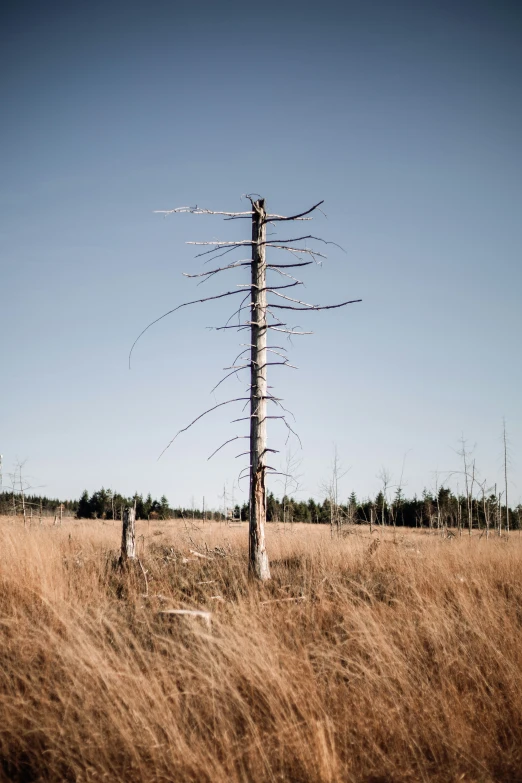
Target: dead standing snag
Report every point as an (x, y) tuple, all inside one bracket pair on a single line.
[(260, 321), (128, 536)]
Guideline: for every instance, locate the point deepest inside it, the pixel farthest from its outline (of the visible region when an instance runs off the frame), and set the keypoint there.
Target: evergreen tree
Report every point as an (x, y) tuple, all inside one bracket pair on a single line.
[(164, 509), (147, 506), (84, 506), (271, 507), (140, 507)]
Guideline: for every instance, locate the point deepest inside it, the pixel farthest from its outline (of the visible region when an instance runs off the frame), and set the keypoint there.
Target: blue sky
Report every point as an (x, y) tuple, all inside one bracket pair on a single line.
[(404, 117)]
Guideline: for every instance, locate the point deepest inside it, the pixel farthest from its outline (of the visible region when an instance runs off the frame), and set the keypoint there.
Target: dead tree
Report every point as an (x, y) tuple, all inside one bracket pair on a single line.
[(331, 489), (260, 318), (19, 487), (505, 444), (289, 481), (385, 477)]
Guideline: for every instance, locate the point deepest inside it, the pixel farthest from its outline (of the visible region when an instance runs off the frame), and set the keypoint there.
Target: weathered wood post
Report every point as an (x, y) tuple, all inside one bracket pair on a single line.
[(258, 558), (128, 535)]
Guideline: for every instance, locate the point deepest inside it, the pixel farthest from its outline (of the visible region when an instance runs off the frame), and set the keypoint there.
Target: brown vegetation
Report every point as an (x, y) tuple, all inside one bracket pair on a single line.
[(360, 660)]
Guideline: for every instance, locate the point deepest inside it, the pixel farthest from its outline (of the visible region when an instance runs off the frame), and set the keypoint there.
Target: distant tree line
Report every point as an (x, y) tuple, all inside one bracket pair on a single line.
[(102, 504), (431, 510), (106, 504), (442, 509), (11, 503)]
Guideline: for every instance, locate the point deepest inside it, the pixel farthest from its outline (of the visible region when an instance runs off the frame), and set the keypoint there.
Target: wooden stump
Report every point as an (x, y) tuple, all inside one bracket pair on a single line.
[(128, 535)]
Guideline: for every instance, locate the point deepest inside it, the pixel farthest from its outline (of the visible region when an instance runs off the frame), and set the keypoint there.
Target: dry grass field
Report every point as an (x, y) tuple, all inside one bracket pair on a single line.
[(362, 660)]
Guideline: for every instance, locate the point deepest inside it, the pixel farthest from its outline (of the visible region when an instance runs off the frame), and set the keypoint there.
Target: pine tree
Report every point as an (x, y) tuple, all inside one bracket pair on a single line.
[(84, 506), (164, 509)]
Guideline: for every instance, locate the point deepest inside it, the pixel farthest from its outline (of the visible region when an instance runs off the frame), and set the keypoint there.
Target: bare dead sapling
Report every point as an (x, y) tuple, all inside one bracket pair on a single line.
[(261, 314)]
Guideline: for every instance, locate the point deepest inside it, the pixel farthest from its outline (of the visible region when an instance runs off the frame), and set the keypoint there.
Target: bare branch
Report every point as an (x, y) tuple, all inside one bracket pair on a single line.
[(280, 287), (185, 304), (289, 299), (290, 277), (214, 250), (219, 405), (284, 364), (232, 366), (301, 239), (277, 352), (199, 211), (232, 326), (233, 243), (221, 269), (234, 372), (272, 350), (309, 251), (251, 323), (293, 433), (270, 218), (288, 266), (315, 307), (269, 348), (237, 312), (277, 401), (238, 437), (287, 331)]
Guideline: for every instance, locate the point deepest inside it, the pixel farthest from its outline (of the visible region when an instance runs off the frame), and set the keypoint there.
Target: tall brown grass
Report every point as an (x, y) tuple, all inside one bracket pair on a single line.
[(396, 661)]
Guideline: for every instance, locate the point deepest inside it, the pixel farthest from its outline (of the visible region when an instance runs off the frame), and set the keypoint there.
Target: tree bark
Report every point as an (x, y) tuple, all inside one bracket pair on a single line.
[(258, 558), (128, 535)]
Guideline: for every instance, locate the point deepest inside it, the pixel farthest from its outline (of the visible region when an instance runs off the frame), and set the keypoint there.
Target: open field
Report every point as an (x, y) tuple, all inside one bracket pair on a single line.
[(362, 660)]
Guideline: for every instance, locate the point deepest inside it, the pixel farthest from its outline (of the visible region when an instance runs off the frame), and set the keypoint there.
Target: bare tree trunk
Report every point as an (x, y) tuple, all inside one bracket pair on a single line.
[(128, 535), (258, 558), (505, 476), (23, 500)]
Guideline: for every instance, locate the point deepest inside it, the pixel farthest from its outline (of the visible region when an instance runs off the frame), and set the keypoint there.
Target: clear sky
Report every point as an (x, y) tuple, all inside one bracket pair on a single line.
[(405, 117)]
